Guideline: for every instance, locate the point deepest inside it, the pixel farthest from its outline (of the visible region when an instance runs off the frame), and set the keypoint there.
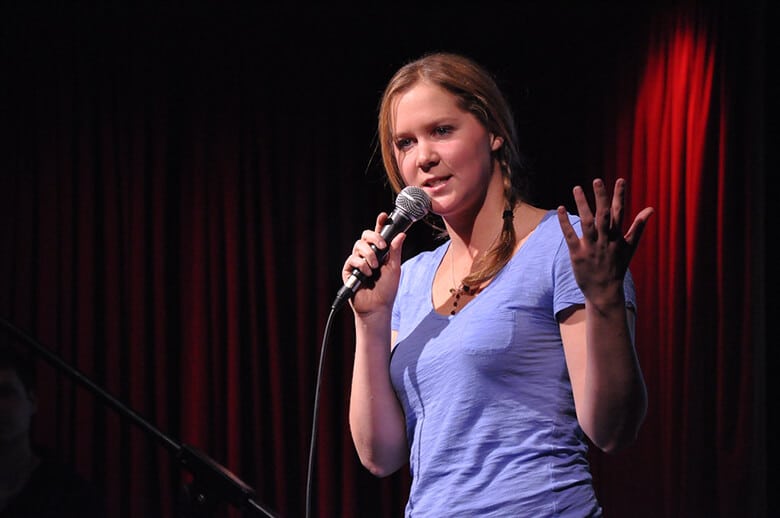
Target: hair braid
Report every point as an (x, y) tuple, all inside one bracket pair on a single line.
[(490, 263)]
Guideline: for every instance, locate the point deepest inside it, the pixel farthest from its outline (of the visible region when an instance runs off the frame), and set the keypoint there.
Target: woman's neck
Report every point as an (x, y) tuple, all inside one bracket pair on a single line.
[(472, 236)]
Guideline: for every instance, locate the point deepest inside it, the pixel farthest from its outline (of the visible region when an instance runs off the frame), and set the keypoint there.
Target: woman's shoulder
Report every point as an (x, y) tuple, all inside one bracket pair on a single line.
[(419, 269), (546, 246), (548, 222)]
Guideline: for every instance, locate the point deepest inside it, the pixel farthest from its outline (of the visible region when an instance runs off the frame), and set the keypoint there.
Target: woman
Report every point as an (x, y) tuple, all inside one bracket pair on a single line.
[(485, 362)]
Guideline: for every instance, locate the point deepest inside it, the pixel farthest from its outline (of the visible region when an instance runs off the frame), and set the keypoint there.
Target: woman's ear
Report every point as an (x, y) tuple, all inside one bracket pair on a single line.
[(496, 142)]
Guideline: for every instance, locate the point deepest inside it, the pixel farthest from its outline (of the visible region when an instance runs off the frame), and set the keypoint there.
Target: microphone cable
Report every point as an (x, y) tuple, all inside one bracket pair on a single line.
[(411, 204), (315, 412)]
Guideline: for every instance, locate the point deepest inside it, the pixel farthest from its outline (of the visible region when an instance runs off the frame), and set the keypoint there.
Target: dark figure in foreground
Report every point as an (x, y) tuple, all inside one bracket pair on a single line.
[(34, 483)]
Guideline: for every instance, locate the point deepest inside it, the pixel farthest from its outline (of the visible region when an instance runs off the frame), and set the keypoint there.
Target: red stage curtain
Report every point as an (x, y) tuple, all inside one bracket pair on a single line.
[(699, 302)]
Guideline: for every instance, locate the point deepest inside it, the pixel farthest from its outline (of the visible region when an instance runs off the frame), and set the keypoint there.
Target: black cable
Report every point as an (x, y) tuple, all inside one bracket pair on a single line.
[(328, 325)]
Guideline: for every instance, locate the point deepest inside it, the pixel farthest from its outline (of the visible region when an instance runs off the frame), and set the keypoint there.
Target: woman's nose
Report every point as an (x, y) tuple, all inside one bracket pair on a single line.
[(427, 156)]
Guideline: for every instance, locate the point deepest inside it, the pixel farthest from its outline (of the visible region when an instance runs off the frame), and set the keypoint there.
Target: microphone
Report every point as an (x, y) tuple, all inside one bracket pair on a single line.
[(411, 205)]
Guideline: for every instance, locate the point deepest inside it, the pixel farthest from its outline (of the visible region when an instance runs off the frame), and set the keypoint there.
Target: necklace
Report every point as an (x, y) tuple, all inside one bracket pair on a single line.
[(462, 290), (457, 292)]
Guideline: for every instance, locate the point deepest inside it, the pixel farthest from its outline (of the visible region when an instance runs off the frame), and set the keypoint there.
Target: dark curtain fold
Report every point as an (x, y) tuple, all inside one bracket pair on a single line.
[(178, 194), (686, 151)]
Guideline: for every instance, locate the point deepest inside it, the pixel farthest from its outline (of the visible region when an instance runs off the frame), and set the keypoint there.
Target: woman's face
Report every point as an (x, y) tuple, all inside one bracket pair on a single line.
[(442, 148)]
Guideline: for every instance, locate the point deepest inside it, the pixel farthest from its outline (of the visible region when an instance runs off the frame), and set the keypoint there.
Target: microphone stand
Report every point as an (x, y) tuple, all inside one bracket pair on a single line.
[(212, 484)]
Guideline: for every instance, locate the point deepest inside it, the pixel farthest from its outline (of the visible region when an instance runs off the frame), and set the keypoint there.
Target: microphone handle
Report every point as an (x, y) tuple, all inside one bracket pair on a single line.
[(397, 222)]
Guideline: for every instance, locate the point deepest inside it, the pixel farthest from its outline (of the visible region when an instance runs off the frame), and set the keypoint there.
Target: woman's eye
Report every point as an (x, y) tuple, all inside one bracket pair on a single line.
[(442, 130), (403, 143)]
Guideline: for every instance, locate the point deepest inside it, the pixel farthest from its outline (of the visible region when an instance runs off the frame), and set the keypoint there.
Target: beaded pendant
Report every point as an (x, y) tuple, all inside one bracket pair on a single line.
[(457, 292)]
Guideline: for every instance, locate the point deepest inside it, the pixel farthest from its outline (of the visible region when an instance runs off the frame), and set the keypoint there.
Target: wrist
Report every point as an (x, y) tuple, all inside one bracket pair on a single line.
[(607, 301)]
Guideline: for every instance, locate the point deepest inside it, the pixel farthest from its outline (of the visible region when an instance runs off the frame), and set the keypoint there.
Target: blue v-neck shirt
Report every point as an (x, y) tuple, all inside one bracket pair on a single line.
[(489, 409)]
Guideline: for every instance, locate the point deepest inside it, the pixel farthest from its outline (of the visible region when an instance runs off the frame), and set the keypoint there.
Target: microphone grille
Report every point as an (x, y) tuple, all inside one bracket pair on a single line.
[(413, 202)]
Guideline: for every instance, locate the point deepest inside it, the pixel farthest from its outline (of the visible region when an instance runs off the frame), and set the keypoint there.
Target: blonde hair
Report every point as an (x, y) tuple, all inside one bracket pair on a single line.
[(476, 92)]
